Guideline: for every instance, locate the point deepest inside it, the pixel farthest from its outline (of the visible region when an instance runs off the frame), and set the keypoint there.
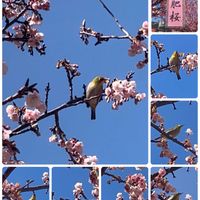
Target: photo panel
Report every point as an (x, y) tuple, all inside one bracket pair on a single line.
[(20, 183), (174, 64), (174, 183), (174, 15), (124, 182), (75, 183), (68, 68), (174, 132)]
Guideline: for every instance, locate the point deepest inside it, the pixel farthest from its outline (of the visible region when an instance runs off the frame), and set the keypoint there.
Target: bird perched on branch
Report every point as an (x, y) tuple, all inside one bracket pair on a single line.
[(175, 64), (175, 196), (94, 91), (172, 132)]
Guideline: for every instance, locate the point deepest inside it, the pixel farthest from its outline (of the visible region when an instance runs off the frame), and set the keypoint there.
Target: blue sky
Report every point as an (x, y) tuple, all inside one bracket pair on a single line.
[(109, 191), (64, 180), (166, 82), (185, 181), (172, 118), (115, 136), (22, 174)]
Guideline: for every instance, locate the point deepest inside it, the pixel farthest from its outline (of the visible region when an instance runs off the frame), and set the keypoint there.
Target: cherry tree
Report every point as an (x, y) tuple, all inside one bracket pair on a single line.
[(26, 108)]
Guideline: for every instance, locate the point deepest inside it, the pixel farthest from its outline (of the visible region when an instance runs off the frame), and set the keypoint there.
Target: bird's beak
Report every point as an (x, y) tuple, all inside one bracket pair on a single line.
[(106, 80)]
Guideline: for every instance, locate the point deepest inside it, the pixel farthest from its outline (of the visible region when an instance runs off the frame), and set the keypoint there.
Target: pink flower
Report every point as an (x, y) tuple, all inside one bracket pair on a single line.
[(137, 47), (189, 131), (31, 115), (78, 147), (12, 112), (162, 172), (145, 25), (6, 133), (53, 138), (188, 197), (45, 177), (34, 19), (90, 160)]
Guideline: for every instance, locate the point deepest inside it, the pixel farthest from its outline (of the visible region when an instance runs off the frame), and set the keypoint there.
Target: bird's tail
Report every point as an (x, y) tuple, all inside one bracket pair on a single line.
[(93, 114), (178, 76)]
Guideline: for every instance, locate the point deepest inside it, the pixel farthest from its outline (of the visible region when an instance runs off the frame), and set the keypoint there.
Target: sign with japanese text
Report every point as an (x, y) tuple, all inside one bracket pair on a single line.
[(175, 13)]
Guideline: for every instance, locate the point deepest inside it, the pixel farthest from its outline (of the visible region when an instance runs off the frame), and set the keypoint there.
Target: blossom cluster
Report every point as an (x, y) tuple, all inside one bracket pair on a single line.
[(75, 148), (24, 16), (161, 182), (9, 150), (94, 180), (135, 186), (120, 91), (190, 62), (11, 190), (45, 178), (138, 45), (25, 114), (78, 191)]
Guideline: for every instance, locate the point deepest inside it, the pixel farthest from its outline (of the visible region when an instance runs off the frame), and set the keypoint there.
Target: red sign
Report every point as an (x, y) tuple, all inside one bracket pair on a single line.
[(175, 13)]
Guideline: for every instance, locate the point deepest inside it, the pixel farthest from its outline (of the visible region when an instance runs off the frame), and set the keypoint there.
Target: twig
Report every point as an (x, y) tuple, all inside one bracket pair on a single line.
[(7, 173), (117, 21), (39, 187), (75, 102), (47, 89), (115, 177), (21, 92), (168, 171)]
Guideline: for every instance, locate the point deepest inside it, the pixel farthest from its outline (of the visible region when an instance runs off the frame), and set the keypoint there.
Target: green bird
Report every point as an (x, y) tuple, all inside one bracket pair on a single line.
[(172, 132), (175, 196), (94, 91), (175, 64)]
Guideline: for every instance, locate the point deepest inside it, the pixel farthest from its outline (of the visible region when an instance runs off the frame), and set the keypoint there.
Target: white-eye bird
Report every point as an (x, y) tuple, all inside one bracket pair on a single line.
[(33, 197), (172, 132), (175, 196), (94, 91), (175, 64)]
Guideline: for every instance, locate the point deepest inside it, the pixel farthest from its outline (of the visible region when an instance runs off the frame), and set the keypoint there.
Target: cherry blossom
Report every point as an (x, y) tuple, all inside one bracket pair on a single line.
[(190, 62), (135, 186), (13, 112), (94, 180), (31, 116), (121, 91), (12, 190), (45, 177), (188, 197), (78, 190)]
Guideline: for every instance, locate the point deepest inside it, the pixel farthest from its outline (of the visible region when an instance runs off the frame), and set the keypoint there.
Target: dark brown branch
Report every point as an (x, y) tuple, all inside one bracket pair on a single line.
[(75, 102), (115, 177), (21, 92), (35, 188), (164, 103), (15, 20), (7, 173), (47, 89), (168, 171)]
